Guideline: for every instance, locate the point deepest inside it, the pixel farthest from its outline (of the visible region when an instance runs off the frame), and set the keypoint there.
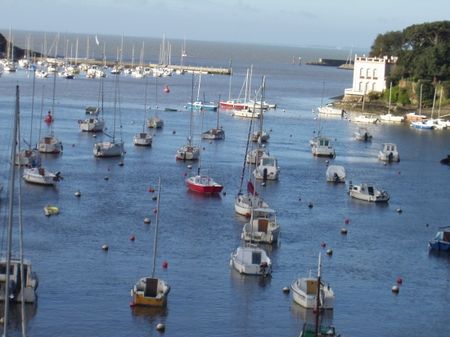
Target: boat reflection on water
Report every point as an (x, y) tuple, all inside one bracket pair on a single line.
[(248, 282), (151, 314), (15, 315), (308, 316)]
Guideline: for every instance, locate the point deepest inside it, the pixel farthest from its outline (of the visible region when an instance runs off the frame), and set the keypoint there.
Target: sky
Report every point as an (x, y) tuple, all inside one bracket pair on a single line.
[(303, 23)]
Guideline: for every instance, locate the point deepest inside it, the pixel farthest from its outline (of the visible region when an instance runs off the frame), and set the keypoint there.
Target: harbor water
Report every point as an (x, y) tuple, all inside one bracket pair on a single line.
[(85, 291)]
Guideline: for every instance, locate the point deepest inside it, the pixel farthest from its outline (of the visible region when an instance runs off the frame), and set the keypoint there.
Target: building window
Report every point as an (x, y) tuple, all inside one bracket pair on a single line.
[(373, 86), (361, 73), (374, 73), (368, 73)]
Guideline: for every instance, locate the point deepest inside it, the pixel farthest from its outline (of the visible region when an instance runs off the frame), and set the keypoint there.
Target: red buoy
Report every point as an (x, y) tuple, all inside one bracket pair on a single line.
[(399, 280), (347, 221), (132, 237), (323, 244), (165, 265), (151, 189), (166, 89)]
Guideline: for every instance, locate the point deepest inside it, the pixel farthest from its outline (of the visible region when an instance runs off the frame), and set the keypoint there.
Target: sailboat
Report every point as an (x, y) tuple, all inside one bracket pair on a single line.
[(261, 135), (323, 298), (155, 122), (189, 151), (49, 143), (419, 121), (94, 123), (22, 281), (201, 104), (111, 148), (216, 133), (246, 201), (143, 138), (151, 291), (311, 292), (390, 118), (30, 157)]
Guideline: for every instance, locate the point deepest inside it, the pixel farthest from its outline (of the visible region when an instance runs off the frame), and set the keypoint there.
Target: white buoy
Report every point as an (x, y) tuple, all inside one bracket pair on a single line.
[(286, 290), (329, 251), (189, 166), (343, 230), (395, 289), (160, 327), (147, 220), (105, 247), (77, 194), (399, 210)]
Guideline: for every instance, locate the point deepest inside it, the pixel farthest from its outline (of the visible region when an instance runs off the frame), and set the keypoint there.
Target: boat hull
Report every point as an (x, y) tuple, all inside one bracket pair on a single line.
[(203, 184), (108, 149)]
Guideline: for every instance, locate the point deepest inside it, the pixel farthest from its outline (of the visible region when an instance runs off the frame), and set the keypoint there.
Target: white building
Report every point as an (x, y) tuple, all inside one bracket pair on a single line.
[(369, 74)]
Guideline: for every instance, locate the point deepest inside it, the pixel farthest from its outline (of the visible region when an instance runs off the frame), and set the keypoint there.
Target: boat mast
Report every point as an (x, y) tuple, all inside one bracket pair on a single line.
[(192, 111), (145, 103), (246, 152), (316, 333), (32, 106), (420, 100), (229, 84), (12, 174), (155, 240), (390, 95)]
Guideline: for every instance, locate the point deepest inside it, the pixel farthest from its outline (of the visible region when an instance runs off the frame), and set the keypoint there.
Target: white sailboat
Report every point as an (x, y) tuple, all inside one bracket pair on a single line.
[(246, 201), (217, 133), (50, 143), (30, 157), (18, 283), (311, 292), (261, 136), (112, 148), (189, 151), (143, 138), (155, 122), (388, 117), (151, 291), (95, 123)]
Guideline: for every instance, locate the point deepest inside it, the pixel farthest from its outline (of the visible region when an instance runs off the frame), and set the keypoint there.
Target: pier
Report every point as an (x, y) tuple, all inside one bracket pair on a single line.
[(175, 67)]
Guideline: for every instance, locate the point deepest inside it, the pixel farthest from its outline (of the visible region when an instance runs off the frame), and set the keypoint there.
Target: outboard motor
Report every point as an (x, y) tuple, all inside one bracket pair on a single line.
[(58, 176), (265, 175), (390, 157)]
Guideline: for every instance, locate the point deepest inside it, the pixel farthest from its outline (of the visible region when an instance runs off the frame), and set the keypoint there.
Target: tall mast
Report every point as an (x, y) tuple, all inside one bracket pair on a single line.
[(155, 240), (12, 174), (318, 298), (390, 95)]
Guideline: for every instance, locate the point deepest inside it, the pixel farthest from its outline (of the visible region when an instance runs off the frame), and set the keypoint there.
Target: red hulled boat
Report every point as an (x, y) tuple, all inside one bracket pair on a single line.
[(203, 184)]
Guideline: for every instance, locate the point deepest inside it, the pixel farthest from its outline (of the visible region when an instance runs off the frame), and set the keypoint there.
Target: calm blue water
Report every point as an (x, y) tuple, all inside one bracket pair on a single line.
[(84, 291)]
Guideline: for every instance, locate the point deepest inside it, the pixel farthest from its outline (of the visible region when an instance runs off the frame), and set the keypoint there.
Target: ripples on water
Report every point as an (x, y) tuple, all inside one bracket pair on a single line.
[(84, 291)]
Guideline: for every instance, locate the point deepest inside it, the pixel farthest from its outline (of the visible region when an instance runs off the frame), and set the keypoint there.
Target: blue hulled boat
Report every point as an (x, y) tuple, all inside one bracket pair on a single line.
[(441, 241)]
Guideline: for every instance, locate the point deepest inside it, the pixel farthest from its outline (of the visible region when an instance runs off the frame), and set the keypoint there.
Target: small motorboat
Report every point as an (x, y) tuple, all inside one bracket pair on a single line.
[(267, 169), (16, 292), (321, 147), (365, 119), (41, 176), (50, 144), (363, 135), (446, 161), (203, 184), (155, 122), (368, 192), (251, 260), (335, 174), (51, 210), (389, 153), (441, 241)]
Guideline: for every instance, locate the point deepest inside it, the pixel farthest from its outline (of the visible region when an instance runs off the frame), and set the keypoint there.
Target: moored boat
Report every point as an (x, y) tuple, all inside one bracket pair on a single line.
[(441, 240), (389, 153), (41, 176), (263, 226), (335, 174), (203, 184), (251, 260), (368, 192)]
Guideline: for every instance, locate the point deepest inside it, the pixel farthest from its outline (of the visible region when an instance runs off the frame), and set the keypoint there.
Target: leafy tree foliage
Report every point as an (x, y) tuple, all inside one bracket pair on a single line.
[(423, 51)]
